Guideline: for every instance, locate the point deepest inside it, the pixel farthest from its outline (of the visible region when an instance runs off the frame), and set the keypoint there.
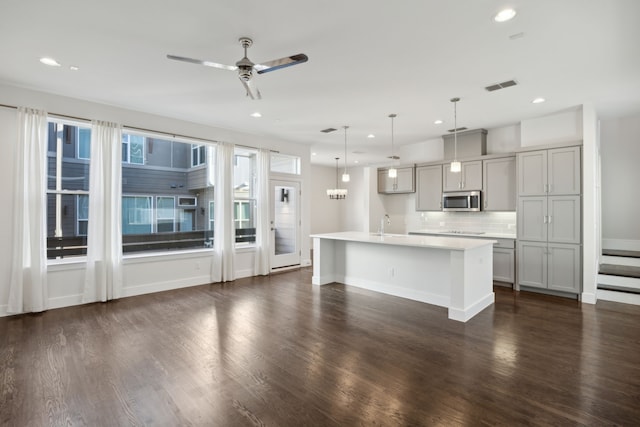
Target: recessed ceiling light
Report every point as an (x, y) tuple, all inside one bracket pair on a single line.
[(371, 135), (504, 15), (49, 61), (74, 68), (256, 114), (313, 154), (437, 122), (357, 161), (538, 101)]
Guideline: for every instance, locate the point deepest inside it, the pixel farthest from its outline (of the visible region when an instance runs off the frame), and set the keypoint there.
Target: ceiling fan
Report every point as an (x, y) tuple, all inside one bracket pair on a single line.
[(245, 67)]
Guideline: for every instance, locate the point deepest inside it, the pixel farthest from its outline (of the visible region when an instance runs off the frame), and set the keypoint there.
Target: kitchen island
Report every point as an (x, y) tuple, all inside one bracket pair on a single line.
[(445, 271)]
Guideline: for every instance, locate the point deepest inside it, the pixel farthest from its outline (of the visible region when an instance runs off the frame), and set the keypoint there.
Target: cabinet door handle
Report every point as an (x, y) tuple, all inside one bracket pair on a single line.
[(549, 188), (544, 219), (549, 219)]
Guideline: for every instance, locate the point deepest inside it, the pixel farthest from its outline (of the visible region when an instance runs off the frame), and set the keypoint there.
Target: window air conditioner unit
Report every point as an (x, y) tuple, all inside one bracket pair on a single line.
[(187, 202)]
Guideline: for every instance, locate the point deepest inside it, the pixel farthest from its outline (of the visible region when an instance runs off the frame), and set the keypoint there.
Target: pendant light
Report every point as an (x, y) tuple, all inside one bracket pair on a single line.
[(345, 175), (337, 193), (455, 164), (393, 172)]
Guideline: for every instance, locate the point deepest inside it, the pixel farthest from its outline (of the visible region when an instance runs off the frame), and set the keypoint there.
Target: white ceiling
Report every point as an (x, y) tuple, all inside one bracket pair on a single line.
[(367, 59)]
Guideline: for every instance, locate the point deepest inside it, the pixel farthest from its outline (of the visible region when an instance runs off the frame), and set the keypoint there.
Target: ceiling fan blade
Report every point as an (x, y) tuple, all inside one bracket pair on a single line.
[(201, 62), (252, 91), (276, 64)]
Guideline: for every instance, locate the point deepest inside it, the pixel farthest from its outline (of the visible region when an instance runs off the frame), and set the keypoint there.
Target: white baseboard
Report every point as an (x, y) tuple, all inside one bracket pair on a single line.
[(621, 244), (165, 286), (472, 310), (305, 263)]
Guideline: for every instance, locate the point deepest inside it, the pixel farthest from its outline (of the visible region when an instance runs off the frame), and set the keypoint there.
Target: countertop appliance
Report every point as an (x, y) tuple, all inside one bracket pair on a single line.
[(461, 201)]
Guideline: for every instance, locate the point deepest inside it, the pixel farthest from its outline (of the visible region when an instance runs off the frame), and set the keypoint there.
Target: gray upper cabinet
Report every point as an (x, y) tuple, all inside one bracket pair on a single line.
[(564, 171), (429, 188), (470, 178), (403, 183), (499, 184), (549, 172)]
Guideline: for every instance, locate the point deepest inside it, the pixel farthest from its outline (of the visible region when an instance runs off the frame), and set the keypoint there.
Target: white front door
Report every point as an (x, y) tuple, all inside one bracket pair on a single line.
[(285, 224)]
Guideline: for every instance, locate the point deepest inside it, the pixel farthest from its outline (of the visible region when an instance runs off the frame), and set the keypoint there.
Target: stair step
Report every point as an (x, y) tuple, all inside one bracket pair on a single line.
[(622, 253), (619, 283), (620, 270)]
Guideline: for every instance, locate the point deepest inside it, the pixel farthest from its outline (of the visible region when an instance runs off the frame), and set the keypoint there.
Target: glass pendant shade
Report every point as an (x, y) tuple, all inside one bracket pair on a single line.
[(346, 177), (456, 166), (393, 172)]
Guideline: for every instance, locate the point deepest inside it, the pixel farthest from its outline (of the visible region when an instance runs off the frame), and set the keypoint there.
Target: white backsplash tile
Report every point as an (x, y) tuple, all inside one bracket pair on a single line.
[(496, 222)]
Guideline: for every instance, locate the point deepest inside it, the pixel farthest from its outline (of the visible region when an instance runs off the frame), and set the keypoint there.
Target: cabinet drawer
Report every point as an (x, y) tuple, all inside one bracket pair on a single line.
[(505, 243)]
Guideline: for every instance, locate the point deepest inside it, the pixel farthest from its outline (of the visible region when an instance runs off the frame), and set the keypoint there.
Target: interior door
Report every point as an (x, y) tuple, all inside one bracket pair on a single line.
[(285, 224)]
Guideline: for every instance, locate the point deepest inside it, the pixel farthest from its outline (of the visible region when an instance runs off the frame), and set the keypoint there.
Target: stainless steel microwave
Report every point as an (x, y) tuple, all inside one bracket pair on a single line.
[(461, 201)]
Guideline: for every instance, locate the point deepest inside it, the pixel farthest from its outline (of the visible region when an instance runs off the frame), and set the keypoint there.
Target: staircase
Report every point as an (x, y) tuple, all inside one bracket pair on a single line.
[(619, 276)]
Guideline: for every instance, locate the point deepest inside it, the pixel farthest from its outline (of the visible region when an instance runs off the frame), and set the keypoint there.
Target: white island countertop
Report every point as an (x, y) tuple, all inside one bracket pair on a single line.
[(438, 242), (451, 272)]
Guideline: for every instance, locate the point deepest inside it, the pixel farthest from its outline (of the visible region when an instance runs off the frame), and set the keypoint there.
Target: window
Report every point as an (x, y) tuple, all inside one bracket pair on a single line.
[(284, 163), (198, 155), (82, 201), (67, 188), (84, 143), (163, 197), (166, 214), (136, 215), (133, 149), (244, 184)]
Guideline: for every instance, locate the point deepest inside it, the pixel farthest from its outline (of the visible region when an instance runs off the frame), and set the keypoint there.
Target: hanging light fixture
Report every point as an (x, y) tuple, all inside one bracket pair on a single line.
[(337, 193), (455, 164), (393, 172), (345, 175)]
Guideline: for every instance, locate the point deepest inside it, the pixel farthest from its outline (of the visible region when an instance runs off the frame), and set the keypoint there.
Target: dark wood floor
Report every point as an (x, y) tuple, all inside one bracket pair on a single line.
[(278, 351)]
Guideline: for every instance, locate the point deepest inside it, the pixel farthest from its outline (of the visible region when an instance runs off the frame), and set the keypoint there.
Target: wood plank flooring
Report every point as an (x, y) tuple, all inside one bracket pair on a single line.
[(278, 351)]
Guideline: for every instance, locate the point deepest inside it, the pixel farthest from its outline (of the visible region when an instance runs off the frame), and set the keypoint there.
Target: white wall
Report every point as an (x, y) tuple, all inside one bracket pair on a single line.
[(620, 153), (325, 213), (565, 126), (142, 274)]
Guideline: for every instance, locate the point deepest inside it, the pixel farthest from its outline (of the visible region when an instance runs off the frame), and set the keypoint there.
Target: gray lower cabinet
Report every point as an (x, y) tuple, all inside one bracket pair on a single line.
[(429, 188), (553, 266), (504, 261)]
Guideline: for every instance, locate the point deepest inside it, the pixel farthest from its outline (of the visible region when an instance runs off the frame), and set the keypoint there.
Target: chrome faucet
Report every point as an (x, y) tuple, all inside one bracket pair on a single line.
[(382, 223)]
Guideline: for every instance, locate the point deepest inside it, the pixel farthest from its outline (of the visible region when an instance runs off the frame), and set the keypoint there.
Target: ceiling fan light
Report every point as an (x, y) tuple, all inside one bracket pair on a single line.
[(393, 172)]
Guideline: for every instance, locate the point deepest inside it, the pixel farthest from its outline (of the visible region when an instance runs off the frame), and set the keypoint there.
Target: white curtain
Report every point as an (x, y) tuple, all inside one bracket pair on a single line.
[(103, 280), (223, 267), (28, 288), (263, 228)]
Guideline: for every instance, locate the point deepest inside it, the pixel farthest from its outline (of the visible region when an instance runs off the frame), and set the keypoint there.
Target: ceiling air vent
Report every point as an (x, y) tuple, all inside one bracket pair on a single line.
[(502, 85), (458, 129), (327, 130)]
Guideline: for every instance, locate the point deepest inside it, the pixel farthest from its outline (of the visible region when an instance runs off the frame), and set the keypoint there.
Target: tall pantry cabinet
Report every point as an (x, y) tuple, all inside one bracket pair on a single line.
[(549, 219)]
